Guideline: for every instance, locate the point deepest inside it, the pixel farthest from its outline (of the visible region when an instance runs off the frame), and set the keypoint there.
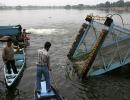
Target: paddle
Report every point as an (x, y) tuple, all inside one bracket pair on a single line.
[(53, 79), (55, 84), (1, 67)]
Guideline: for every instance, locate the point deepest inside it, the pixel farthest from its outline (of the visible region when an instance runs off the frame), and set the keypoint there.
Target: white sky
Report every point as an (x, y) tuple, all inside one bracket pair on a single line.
[(53, 2)]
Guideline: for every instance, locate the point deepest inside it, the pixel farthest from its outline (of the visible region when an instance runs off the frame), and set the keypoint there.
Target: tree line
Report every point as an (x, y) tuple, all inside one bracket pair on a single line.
[(119, 3), (107, 4)]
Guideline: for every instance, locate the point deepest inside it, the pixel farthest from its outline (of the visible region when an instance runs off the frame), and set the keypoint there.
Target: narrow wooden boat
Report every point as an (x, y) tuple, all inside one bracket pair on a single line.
[(13, 30), (44, 95), (20, 63)]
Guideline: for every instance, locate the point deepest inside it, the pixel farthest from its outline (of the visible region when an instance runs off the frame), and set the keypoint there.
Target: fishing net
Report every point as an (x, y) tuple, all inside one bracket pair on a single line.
[(113, 53)]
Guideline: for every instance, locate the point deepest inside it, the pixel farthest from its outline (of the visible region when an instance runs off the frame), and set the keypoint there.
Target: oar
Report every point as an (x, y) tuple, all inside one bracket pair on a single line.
[(2, 67), (55, 84), (53, 79)]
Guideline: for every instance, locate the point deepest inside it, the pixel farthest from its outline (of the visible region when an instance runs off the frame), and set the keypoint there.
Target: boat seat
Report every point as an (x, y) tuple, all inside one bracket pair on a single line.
[(19, 57), (18, 63), (9, 81), (44, 92), (10, 76)]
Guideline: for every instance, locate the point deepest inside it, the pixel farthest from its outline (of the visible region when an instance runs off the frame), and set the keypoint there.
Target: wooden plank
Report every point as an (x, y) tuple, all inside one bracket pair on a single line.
[(92, 55)]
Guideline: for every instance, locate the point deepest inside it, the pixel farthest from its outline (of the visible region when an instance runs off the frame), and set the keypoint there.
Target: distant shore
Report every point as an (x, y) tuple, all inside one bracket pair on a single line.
[(116, 9)]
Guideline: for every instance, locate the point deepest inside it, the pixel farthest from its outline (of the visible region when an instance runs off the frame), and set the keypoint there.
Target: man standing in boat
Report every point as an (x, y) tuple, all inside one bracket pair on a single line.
[(8, 57), (43, 67)]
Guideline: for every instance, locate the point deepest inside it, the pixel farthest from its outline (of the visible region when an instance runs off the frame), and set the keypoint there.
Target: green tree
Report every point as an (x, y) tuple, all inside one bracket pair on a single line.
[(67, 7), (80, 6), (120, 3), (18, 7), (107, 4), (127, 4)]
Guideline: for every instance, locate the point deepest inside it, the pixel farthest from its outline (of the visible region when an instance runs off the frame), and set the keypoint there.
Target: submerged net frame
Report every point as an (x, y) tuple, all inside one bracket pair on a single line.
[(113, 51)]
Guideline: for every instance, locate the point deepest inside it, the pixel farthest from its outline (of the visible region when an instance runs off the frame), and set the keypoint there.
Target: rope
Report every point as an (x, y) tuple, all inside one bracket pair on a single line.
[(120, 17)]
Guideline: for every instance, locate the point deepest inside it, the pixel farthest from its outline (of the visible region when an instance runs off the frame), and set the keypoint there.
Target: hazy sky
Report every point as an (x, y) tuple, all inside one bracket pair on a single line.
[(53, 2)]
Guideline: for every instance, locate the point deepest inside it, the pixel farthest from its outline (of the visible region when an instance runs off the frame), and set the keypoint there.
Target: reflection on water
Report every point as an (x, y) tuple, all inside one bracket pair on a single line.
[(71, 73), (110, 86), (15, 93), (2, 91), (12, 94)]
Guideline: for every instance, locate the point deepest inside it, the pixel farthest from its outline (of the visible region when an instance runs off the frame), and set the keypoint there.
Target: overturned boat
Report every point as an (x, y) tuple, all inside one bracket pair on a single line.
[(100, 47)]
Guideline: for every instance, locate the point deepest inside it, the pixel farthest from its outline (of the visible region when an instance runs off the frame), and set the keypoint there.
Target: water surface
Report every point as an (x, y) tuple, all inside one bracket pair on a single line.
[(60, 28)]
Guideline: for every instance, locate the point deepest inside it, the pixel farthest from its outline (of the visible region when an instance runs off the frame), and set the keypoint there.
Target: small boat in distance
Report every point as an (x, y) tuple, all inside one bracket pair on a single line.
[(44, 95), (19, 57)]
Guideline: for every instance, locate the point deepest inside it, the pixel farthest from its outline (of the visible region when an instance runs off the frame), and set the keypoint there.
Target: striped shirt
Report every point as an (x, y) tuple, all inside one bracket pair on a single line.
[(43, 57)]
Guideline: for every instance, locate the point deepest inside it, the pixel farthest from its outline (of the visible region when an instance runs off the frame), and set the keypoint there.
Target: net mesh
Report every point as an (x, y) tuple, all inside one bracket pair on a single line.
[(114, 50)]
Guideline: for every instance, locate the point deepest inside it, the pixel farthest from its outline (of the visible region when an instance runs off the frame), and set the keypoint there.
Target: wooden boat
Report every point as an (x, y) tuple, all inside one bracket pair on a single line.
[(19, 57), (4, 38), (44, 95), (13, 30)]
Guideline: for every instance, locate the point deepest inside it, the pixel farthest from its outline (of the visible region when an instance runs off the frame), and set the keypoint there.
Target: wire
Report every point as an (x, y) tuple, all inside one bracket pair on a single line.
[(111, 15)]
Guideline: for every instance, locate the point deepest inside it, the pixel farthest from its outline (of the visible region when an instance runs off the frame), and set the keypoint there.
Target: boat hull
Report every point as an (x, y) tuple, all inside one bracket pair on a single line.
[(44, 95), (19, 57)]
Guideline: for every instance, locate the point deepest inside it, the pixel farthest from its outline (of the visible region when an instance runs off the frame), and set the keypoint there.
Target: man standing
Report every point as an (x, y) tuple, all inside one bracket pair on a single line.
[(8, 57), (43, 67)]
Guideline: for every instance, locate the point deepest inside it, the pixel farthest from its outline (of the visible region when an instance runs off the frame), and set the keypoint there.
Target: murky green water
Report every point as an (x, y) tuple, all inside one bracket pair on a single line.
[(60, 27)]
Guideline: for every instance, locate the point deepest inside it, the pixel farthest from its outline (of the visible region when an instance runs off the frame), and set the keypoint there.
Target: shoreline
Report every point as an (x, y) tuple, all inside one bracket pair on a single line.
[(116, 9)]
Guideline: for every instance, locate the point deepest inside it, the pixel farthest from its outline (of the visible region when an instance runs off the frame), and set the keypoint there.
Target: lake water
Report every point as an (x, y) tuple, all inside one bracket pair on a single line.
[(60, 27)]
